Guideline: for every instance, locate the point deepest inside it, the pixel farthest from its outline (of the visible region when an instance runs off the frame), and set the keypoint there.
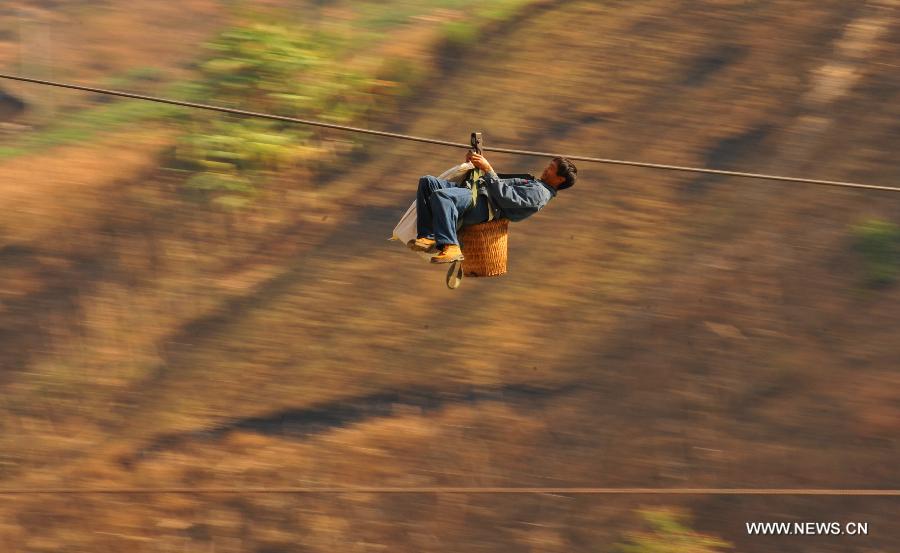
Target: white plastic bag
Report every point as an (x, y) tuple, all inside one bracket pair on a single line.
[(406, 228)]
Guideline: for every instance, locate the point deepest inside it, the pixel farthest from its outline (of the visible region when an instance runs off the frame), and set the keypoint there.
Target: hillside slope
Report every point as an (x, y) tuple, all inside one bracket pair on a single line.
[(655, 329)]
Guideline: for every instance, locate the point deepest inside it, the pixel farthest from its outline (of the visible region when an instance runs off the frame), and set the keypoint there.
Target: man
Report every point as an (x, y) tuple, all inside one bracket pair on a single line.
[(441, 204)]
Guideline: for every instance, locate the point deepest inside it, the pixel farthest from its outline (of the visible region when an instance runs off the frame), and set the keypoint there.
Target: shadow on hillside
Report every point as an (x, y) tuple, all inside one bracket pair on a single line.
[(302, 423)]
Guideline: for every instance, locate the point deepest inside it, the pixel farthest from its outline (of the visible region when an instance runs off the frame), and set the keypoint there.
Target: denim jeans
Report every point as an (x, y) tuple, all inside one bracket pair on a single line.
[(439, 206)]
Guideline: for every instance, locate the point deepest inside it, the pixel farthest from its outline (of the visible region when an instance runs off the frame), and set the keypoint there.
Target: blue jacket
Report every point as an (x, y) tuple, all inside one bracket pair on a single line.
[(518, 197)]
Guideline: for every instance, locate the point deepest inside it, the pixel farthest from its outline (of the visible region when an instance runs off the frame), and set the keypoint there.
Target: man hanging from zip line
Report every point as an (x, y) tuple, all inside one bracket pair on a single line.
[(441, 204)]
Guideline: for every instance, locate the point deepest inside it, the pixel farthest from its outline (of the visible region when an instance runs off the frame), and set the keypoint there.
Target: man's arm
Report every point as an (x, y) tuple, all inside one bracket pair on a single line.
[(506, 195), (503, 194)]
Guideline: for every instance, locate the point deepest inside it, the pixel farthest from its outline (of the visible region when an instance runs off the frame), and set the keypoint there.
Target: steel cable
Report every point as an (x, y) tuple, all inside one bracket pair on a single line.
[(322, 124)]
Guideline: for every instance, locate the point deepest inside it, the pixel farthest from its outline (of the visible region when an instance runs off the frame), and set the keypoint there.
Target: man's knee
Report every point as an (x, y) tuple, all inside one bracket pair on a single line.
[(426, 181)]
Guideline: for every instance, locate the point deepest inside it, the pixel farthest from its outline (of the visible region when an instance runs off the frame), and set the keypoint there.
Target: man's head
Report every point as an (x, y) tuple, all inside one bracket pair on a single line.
[(560, 173)]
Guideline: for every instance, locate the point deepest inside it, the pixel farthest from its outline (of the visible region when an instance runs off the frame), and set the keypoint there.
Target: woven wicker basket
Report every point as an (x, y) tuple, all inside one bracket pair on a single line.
[(484, 247)]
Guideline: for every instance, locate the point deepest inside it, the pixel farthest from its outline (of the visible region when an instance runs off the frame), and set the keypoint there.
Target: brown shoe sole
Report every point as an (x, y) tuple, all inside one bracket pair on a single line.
[(439, 259), (416, 248)]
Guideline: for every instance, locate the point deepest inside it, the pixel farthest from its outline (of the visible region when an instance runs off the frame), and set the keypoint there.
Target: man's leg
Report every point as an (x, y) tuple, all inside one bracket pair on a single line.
[(428, 185), (447, 205)]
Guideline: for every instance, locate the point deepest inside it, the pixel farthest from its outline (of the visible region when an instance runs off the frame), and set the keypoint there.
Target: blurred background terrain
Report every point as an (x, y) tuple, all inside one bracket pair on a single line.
[(194, 299)]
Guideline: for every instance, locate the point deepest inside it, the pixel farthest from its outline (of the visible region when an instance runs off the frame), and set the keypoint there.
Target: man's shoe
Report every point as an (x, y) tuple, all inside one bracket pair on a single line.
[(449, 254), (422, 245)]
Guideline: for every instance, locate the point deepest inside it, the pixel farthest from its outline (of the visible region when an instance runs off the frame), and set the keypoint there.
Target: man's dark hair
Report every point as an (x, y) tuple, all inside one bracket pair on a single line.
[(565, 168)]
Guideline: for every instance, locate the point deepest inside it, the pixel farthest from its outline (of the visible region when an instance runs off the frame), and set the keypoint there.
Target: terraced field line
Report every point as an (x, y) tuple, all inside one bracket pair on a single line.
[(458, 490)]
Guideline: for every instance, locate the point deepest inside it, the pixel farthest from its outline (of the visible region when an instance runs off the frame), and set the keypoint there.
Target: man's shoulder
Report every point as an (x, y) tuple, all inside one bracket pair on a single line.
[(507, 176)]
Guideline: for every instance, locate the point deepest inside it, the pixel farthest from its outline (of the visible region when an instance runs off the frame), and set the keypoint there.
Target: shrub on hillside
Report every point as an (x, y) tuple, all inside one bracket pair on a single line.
[(271, 69), (668, 533), (878, 242)]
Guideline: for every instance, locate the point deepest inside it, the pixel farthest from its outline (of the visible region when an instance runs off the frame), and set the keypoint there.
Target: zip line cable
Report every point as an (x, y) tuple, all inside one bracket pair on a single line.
[(464, 490), (323, 124)]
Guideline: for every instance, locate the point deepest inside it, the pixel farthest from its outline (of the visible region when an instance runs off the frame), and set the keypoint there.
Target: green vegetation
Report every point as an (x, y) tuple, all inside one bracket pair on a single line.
[(291, 71), (85, 124), (267, 68), (70, 127), (458, 34), (878, 242), (669, 533), (464, 33)]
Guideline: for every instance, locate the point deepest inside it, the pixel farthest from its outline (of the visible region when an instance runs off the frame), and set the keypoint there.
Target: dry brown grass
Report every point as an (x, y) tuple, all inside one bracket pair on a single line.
[(58, 193), (91, 41), (713, 328)]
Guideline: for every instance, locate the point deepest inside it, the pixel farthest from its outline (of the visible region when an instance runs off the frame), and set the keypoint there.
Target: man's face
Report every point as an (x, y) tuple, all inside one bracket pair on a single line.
[(549, 175)]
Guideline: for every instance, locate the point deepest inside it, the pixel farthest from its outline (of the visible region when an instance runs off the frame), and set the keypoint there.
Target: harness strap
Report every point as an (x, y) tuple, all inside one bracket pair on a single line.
[(472, 183), (476, 174)]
